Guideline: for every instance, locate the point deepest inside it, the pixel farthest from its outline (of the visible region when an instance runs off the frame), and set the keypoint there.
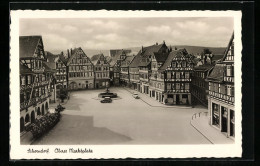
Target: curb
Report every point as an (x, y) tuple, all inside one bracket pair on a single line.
[(160, 106), (200, 132)]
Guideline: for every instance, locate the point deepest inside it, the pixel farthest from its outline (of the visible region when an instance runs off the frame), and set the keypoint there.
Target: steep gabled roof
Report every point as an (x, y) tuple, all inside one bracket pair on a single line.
[(127, 61), (96, 57), (49, 66), (25, 70), (27, 45), (115, 51), (117, 56), (142, 58), (203, 67), (228, 46), (174, 54), (73, 54), (160, 57), (50, 56), (217, 74)]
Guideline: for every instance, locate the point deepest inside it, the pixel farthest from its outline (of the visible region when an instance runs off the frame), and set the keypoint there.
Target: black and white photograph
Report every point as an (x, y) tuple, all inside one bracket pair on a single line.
[(86, 82)]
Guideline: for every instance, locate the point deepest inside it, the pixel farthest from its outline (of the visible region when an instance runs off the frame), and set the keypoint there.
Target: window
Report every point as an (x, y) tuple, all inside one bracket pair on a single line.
[(187, 75), (232, 91), (168, 86), (23, 80), (177, 86), (183, 63), (29, 79), (178, 75), (230, 70), (187, 86), (182, 85), (173, 64), (229, 90)]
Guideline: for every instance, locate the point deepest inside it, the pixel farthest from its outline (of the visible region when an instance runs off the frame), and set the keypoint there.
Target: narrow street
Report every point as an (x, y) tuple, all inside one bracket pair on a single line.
[(124, 121)]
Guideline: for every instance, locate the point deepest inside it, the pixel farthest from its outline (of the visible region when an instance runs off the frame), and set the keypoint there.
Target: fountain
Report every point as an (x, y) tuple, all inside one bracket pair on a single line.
[(107, 93)]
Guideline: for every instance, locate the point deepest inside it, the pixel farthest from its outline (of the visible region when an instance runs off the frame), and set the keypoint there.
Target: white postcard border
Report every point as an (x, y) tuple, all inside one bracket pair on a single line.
[(18, 151)]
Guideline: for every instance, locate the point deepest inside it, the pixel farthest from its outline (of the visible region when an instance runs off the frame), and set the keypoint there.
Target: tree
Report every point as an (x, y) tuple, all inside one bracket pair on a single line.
[(63, 94)]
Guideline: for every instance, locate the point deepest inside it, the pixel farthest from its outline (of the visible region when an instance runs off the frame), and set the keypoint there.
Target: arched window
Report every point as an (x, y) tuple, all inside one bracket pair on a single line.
[(32, 117), (21, 124), (46, 106), (42, 109), (38, 111), (27, 118)]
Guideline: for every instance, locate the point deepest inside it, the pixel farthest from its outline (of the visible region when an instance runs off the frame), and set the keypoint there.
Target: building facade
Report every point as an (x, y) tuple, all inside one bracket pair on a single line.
[(142, 64), (36, 80), (199, 85), (124, 70), (115, 66), (177, 71), (61, 72), (101, 69), (221, 93), (80, 70), (156, 83)]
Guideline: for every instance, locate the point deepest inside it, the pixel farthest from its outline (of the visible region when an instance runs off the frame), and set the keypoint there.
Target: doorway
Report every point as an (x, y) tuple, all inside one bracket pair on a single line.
[(177, 99), (224, 119)]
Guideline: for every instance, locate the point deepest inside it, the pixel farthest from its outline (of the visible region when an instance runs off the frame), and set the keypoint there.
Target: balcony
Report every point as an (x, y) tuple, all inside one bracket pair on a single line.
[(222, 97), (178, 79), (27, 104), (41, 70), (144, 79), (143, 71)]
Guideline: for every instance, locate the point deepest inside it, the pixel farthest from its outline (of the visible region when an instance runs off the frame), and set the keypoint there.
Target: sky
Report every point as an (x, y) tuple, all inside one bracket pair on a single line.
[(117, 33)]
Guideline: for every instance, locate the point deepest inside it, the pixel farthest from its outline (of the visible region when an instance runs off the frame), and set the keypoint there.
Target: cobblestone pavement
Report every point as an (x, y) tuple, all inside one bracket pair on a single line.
[(124, 121)]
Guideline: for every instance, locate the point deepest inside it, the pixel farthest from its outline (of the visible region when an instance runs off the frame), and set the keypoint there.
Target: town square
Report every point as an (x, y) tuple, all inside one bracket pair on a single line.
[(154, 90)]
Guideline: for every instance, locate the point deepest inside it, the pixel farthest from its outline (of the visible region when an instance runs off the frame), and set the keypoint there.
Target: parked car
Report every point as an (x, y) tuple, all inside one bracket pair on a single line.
[(106, 100), (135, 95)]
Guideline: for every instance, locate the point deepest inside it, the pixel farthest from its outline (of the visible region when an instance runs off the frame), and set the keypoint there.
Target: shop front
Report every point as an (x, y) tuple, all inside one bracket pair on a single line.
[(223, 117)]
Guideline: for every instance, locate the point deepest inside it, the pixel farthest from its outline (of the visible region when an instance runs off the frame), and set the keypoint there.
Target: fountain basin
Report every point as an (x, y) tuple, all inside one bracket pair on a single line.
[(111, 95)]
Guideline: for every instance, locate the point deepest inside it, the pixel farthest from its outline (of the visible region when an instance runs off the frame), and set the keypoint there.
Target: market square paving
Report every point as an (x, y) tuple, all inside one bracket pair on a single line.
[(124, 121)]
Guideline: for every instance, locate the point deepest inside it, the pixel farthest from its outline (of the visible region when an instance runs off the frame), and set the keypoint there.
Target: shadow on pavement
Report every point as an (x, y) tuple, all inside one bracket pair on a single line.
[(76, 130)]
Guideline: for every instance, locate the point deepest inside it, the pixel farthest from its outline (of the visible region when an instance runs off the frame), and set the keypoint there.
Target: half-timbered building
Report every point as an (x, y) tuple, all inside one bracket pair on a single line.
[(142, 64), (156, 83), (36, 80), (101, 69), (124, 72), (221, 93), (177, 71), (80, 70), (115, 66)]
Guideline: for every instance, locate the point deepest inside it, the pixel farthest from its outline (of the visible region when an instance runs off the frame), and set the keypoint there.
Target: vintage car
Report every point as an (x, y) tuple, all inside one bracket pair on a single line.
[(135, 95), (106, 100)]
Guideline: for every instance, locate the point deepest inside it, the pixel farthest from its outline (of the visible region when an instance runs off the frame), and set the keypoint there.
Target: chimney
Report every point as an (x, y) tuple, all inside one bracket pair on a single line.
[(156, 43), (142, 49), (170, 49), (71, 52), (163, 42), (205, 59), (68, 53)]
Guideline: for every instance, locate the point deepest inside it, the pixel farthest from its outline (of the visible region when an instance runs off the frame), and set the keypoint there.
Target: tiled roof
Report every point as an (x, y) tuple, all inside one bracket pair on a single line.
[(27, 45), (173, 54), (160, 57), (114, 52), (204, 67), (127, 61), (142, 58), (217, 74), (72, 54), (117, 56), (25, 70), (50, 56), (48, 67), (95, 58)]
